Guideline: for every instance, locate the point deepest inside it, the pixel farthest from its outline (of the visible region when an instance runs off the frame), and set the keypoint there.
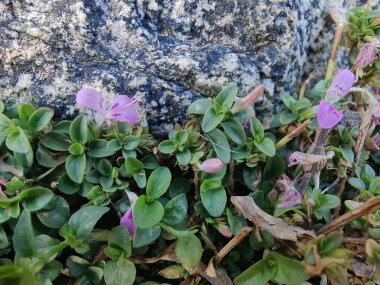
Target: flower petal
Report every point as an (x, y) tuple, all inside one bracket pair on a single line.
[(89, 98), (291, 198), (366, 55), (127, 221), (340, 86), (328, 117), (123, 109)]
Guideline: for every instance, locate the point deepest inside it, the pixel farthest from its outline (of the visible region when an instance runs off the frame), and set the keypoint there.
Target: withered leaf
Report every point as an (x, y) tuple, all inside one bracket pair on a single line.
[(276, 226)]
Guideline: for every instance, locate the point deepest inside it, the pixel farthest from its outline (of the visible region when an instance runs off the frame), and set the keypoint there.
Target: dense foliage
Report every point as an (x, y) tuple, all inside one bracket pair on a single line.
[(224, 197)]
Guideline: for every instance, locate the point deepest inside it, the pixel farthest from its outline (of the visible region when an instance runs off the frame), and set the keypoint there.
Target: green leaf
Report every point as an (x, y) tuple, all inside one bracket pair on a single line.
[(329, 201), (66, 185), (11, 275), (131, 142), (150, 162), (227, 96), (274, 168), (211, 120), (258, 274), (158, 182), (234, 130), (146, 215), (214, 199), (36, 198), (175, 210), (25, 111), (146, 236), (256, 128), (121, 272), (220, 145), (188, 249), (84, 220), (181, 136), (76, 149), (287, 118), (200, 106), (26, 159), (98, 148), (55, 214), (49, 159), (133, 165), (56, 141), (3, 238), (40, 118), (183, 157), (79, 130), (236, 223), (357, 183), (23, 238), (266, 146), (288, 101), (140, 178), (75, 167), (289, 271), (167, 147), (77, 266), (120, 239), (17, 141)]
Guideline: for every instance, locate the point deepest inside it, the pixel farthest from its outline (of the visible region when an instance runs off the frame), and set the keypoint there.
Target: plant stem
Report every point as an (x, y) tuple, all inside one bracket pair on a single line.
[(47, 256), (295, 133), (334, 51), (371, 205)]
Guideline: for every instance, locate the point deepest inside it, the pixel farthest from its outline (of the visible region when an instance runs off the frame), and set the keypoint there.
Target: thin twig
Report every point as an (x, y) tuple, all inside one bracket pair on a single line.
[(339, 195), (369, 206), (295, 133), (353, 240), (232, 244), (334, 51)]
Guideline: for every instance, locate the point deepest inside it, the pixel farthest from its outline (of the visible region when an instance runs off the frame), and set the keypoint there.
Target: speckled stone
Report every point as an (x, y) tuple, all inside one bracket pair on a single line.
[(170, 52)]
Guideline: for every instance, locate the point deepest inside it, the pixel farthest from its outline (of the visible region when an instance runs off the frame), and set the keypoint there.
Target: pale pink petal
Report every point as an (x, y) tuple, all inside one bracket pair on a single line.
[(366, 55), (290, 198), (123, 109), (340, 86), (328, 117), (89, 98), (127, 221)]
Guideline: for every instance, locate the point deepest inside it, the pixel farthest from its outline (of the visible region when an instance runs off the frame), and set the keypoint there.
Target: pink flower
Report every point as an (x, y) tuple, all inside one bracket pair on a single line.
[(340, 86), (123, 108), (211, 165), (127, 221), (247, 101), (366, 55), (328, 117), (290, 198)]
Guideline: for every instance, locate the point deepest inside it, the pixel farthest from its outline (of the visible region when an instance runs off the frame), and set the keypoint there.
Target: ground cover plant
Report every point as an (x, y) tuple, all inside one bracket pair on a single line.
[(223, 199)]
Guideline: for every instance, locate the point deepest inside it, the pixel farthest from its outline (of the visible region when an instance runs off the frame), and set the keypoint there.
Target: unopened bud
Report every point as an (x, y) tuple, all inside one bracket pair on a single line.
[(224, 230), (211, 165), (248, 100), (273, 195)]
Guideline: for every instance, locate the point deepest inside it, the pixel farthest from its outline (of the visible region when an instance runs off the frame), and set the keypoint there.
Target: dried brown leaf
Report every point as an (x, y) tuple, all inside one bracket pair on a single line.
[(276, 226)]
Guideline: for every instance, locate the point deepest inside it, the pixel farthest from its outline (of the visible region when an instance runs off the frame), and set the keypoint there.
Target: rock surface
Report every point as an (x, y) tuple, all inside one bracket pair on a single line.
[(171, 52)]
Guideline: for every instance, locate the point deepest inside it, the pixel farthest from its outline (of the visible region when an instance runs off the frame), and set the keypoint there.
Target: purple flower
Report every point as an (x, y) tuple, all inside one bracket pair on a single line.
[(328, 117), (123, 108), (290, 198), (211, 165), (340, 86), (127, 221), (366, 55)]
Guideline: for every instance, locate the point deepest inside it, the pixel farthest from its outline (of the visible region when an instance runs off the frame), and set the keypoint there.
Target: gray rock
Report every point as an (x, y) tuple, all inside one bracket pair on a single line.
[(171, 52)]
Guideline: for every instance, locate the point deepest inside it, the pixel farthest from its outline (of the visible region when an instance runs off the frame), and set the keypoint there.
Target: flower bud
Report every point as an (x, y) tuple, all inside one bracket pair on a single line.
[(366, 55), (247, 101), (273, 195), (127, 221), (211, 165)]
